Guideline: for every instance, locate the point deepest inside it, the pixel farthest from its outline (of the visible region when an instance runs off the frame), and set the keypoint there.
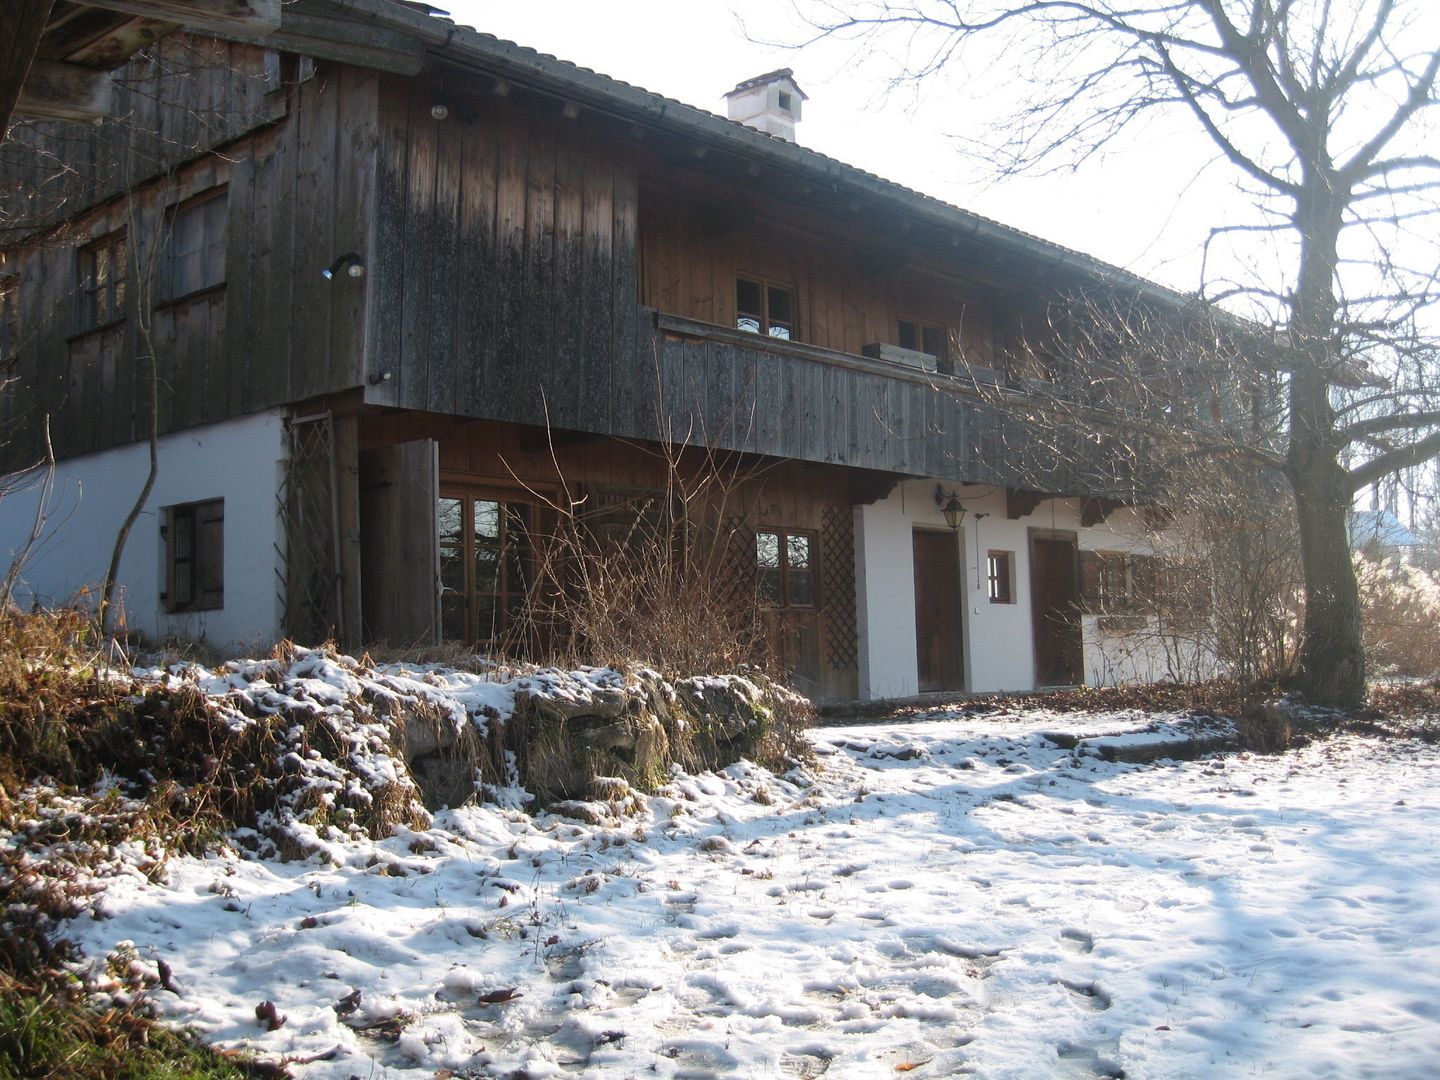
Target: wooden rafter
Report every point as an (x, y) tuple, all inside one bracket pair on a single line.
[(27, 19)]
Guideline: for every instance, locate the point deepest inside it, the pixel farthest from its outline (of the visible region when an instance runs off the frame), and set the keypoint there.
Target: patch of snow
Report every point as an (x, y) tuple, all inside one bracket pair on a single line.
[(945, 896)]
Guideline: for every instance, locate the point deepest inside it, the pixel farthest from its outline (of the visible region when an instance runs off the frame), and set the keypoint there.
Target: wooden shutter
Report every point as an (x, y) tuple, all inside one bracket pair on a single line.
[(1090, 564), (210, 555), (400, 543)]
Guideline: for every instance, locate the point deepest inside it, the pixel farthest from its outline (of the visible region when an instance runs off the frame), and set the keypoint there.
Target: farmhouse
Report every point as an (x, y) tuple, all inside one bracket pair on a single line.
[(399, 295)]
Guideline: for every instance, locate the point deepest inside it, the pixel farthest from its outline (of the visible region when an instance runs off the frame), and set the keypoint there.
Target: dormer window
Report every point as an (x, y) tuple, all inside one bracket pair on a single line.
[(785, 101)]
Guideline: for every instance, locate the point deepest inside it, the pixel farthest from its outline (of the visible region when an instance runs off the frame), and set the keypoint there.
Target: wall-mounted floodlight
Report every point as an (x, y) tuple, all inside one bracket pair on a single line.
[(350, 264)]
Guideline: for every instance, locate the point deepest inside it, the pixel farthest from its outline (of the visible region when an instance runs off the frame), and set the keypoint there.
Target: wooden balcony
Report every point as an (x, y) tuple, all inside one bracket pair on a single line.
[(732, 390)]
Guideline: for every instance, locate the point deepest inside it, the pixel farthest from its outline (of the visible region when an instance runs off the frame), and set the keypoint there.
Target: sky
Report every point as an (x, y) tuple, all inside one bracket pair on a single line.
[(1145, 211)]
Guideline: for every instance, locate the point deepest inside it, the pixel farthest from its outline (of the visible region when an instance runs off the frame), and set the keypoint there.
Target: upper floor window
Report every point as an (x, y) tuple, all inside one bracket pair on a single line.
[(922, 337), (786, 565), (195, 258), (101, 274), (764, 308), (9, 317)]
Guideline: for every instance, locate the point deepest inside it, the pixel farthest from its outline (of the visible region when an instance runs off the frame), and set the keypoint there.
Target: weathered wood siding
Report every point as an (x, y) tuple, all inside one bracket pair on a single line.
[(298, 191), (851, 287), (505, 264), (183, 97), (734, 391)]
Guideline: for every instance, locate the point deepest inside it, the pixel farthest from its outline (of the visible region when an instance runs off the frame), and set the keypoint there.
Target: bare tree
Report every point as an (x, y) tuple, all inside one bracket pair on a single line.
[(1319, 108)]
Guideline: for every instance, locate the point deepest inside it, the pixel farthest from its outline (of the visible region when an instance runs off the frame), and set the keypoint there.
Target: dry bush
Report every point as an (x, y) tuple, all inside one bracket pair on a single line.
[(1400, 605), (1265, 727), (190, 766), (649, 581)]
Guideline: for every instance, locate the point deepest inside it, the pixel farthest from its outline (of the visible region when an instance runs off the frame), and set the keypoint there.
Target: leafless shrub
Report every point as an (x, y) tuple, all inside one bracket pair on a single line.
[(648, 580), (1265, 728), (1401, 611)]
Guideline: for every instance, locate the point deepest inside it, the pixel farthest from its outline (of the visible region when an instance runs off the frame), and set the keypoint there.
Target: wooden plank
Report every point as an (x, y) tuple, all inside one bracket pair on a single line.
[(597, 345), (443, 244), (629, 336), (399, 546), (384, 330), (538, 327), (571, 301), (275, 214), (475, 321), (354, 223), (220, 16), (509, 266), (347, 505), (314, 235), (721, 422), (242, 277), (419, 241)]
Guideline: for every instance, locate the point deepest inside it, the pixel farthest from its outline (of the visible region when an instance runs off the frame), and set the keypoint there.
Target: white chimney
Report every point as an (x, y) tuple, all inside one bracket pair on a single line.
[(769, 103)]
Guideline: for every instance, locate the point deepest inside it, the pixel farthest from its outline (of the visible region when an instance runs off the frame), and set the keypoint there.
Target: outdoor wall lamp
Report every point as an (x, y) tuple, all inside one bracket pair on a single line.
[(350, 263), (949, 504)]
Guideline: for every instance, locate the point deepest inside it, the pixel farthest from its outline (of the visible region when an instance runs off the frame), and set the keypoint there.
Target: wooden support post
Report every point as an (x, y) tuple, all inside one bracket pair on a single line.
[(347, 501), (27, 20)]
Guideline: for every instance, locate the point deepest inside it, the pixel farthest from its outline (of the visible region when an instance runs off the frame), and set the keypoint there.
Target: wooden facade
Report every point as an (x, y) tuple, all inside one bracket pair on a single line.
[(532, 284), (295, 164)]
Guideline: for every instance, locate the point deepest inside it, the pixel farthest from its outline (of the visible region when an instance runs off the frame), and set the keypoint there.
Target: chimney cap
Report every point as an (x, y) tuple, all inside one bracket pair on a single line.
[(782, 74)]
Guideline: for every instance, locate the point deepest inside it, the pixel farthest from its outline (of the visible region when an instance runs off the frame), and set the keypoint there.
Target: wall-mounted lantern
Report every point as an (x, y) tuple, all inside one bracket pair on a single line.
[(350, 263), (950, 508)]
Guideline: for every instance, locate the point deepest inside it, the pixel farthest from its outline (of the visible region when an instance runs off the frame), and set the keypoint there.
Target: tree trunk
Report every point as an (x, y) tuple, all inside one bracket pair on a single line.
[(1332, 650), (1332, 655)]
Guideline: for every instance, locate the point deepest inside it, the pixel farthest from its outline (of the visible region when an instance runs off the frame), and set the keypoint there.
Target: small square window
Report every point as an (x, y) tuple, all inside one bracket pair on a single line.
[(101, 281), (195, 257), (922, 337), (762, 308), (194, 535), (1000, 574)]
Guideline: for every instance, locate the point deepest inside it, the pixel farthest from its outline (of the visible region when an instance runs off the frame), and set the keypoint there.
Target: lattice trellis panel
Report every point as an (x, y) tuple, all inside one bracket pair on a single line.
[(737, 565), (837, 587), (309, 573)]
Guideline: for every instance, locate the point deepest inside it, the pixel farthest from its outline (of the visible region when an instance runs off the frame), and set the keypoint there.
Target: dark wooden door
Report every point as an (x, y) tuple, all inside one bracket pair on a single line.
[(937, 610), (399, 543), (1055, 596)]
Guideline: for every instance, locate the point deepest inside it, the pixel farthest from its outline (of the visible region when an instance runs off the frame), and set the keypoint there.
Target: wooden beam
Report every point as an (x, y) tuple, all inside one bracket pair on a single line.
[(344, 41), (65, 92), (1094, 510), (1019, 503), (27, 19), (220, 16)]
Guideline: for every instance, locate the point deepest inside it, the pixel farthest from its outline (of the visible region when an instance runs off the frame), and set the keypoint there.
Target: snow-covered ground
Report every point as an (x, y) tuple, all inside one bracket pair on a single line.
[(944, 897)]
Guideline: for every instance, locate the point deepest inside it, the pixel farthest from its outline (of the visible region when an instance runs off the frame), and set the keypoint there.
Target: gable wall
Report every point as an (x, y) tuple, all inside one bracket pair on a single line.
[(300, 186), (505, 261)]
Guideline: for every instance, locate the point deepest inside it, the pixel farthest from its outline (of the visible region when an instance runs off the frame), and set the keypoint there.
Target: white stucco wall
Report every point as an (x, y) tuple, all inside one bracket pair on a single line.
[(240, 461), (998, 638)]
